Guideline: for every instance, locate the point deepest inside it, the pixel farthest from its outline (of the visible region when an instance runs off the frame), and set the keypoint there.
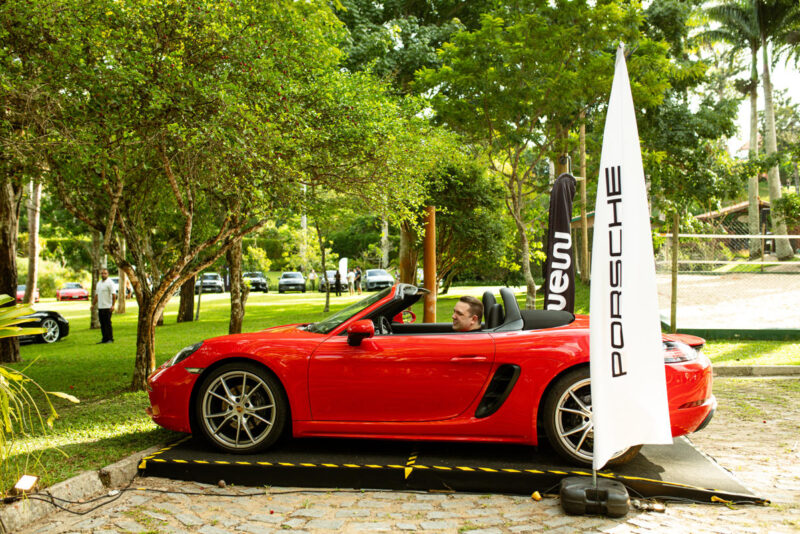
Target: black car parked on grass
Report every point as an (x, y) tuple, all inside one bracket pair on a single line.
[(55, 325)]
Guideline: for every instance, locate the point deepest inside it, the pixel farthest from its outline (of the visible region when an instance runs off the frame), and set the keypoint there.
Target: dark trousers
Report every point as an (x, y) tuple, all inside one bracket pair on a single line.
[(105, 324)]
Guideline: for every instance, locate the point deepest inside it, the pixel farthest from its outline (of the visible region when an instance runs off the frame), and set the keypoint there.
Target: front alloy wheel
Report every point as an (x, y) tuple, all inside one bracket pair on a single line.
[(568, 420), (52, 331), (241, 408)]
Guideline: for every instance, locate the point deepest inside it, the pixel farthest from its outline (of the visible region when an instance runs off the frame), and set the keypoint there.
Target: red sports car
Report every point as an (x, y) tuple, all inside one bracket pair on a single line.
[(72, 291), (364, 373), (21, 293)]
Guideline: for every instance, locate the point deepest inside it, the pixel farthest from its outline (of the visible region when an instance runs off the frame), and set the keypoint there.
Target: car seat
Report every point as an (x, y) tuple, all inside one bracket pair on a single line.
[(492, 311)]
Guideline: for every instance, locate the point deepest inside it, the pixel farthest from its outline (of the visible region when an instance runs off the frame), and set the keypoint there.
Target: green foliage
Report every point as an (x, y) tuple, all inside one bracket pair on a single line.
[(255, 259), (52, 275), (395, 39), (789, 207), (19, 409)]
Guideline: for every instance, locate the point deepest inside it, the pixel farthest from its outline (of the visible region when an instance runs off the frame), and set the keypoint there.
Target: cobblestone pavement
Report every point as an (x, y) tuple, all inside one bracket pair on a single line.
[(755, 434)]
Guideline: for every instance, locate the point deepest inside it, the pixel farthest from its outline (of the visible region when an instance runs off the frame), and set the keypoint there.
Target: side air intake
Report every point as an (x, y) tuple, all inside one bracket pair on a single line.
[(498, 391)]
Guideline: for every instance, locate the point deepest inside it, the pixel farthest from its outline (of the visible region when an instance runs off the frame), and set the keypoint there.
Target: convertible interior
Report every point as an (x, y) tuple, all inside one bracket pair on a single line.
[(497, 317)]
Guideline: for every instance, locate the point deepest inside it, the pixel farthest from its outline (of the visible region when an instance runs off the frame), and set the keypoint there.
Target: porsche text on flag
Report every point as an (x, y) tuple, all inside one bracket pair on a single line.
[(629, 394)]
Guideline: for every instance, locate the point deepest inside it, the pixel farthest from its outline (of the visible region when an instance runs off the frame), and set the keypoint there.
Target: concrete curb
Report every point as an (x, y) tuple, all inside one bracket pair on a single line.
[(757, 370), (15, 516)]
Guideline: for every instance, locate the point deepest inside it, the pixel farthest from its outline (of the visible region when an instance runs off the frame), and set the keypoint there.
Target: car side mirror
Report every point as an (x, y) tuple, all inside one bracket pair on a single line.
[(358, 331), (404, 317)]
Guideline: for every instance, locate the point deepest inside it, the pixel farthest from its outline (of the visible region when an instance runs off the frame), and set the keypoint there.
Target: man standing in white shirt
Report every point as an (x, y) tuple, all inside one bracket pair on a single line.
[(104, 299)]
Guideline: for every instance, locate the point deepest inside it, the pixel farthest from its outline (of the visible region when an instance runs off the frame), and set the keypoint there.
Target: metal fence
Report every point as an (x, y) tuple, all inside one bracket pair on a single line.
[(721, 285)]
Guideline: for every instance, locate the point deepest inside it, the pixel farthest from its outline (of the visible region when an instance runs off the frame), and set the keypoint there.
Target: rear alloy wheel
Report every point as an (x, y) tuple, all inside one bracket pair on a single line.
[(568, 420), (51, 332), (241, 408)]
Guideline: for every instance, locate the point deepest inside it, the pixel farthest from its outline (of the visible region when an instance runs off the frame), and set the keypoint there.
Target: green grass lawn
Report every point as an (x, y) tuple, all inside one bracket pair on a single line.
[(110, 422)]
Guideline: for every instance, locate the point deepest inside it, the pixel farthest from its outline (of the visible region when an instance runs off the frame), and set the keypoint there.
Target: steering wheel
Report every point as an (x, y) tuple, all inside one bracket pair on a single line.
[(385, 326)]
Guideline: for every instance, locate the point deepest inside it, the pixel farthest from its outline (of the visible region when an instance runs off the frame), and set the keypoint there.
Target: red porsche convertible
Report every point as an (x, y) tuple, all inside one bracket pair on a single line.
[(365, 373)]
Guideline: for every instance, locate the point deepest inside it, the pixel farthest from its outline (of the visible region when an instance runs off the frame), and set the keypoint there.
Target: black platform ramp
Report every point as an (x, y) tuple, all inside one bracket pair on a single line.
[(671, 471)]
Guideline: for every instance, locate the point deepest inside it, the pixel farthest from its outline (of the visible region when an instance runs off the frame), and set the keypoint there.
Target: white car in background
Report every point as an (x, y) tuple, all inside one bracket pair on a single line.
[(375, 279)]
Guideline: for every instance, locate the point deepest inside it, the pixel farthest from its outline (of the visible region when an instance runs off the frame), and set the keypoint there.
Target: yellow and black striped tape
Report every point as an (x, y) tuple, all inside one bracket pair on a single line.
[(412, 465)]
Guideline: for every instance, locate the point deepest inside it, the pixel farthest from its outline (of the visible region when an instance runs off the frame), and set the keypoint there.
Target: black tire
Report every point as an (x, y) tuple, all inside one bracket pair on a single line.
[(304, 290), (568, 424), (52, 331), (234, 423), (280, 291)]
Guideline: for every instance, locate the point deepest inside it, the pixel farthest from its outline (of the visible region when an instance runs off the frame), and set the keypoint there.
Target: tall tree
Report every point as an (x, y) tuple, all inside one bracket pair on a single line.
[(775, 19), (512, 88), (178, 129), (34, 209), (738, 27), (394, 40)]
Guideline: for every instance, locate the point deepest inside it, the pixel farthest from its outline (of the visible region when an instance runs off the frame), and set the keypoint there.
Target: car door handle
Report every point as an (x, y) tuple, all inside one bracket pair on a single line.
[(469, 358)]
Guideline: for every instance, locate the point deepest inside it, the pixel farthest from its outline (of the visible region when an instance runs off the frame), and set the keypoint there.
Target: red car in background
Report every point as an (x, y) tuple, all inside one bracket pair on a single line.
[(21, 293), (364, 373), (72, 291)]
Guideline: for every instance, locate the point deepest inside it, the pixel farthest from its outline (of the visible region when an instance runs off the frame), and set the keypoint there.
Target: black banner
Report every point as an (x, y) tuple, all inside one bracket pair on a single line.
[(559, 272)]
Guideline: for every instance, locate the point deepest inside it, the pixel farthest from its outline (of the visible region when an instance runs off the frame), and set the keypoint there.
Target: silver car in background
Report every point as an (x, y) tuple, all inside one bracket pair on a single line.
[(375, 279)]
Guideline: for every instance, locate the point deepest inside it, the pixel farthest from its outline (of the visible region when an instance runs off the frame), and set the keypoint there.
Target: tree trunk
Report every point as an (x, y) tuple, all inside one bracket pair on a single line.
[(199, 298), (753, 217), (674, 297), (782, 246), (407, 261), (385, 243), (448, 281), (96, 254), (34, 203), (324, 273), (429, 263), (585, 260), (123, 285), (145, 343), (238, 291), (187, 301), (10, 196), (525, 252)]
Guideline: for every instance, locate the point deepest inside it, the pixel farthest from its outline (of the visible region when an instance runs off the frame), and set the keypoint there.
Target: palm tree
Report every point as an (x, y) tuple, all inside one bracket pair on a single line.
[(776, 20), (738, 27)]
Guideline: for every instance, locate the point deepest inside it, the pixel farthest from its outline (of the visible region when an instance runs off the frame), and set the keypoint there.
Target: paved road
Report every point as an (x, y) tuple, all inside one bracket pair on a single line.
[(755, 435)]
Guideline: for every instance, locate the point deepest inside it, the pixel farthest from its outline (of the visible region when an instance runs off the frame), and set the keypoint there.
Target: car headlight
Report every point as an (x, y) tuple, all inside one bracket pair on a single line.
[(676, 352), (183, 354)]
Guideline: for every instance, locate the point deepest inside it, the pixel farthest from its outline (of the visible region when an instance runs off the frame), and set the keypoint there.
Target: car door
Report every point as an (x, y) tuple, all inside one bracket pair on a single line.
[(398, 378)]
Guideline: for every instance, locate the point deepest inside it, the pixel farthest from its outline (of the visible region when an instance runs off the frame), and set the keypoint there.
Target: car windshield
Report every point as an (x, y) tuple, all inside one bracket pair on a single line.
[(291, 275), (252, 275), (20, 288), (324, 327), (72, 285), (210, 276), (377, 272)]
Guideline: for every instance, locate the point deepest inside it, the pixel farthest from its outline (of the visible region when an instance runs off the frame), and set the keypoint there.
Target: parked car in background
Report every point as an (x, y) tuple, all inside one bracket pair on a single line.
[(55, 325), (329, 278), (210, 282), (257, 280), (21, 293), (72, 291), (291, 281), (377, 279)]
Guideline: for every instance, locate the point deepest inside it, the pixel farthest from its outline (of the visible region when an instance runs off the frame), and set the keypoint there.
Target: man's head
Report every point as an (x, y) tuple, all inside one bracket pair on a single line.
[(467, 314), (104, 273)]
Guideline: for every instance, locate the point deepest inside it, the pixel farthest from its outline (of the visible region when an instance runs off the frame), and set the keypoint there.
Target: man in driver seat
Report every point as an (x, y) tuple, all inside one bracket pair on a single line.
[(467, 314)]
